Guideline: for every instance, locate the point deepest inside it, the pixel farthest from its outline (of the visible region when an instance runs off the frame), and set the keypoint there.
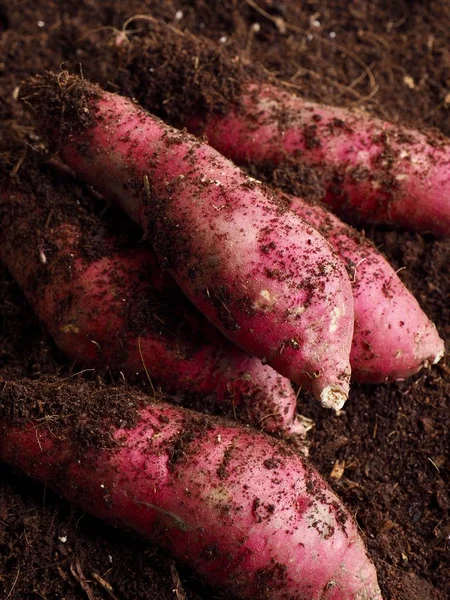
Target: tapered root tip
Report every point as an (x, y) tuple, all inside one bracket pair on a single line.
[(333, 396), (438, 357), (296, 433), (299, 427)]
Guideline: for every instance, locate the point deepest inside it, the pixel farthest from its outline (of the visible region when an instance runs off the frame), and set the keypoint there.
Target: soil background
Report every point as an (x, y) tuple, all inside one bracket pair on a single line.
[(391, 440)]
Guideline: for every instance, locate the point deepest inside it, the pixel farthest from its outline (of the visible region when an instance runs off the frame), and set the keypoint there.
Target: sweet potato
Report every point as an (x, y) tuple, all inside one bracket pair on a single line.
[(237, 506), (393, 338), (374, 171), (106, 305), (270, 282)]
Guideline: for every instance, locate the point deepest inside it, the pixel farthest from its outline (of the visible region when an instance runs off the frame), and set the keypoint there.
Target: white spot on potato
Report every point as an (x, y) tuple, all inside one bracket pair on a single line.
[(266, 301), (297, 311), (334, 321)]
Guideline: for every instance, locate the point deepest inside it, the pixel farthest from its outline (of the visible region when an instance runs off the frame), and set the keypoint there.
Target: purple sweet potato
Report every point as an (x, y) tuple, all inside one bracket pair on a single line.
[(113, 307), (373, 170), (240, 508), (270, 282), (393, 338)]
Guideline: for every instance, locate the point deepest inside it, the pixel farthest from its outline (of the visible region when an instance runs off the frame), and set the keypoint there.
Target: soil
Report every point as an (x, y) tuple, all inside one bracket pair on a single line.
[(386, 453)]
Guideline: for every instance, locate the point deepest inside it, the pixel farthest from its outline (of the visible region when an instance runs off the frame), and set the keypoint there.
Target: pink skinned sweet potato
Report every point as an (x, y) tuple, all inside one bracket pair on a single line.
[(374, 171), (118, 309), (240, 508), (393, 338), (267, 280)]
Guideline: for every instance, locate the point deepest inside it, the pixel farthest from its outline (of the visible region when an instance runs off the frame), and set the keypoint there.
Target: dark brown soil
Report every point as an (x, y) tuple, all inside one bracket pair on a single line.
[(391, 440)]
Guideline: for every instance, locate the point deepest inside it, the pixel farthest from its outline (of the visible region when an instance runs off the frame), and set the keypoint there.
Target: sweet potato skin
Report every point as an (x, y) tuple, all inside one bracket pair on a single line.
[(374, 171), (95, 310), (240, 508), (269, 282), (393, 338)]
